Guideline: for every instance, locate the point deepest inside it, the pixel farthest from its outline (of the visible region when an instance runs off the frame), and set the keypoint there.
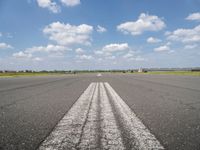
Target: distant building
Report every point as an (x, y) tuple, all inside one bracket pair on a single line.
[(142, 70)]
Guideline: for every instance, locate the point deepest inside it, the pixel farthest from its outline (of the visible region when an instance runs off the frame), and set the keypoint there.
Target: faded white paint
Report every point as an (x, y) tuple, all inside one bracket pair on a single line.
[(139, 135), (68, 131), (111, 136), (100, 119)]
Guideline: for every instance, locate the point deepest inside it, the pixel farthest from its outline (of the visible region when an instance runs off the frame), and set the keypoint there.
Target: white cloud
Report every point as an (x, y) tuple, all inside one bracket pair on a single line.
[(0, 34), (118, 51), (185, 35), (168, 43), (138, 58), (49, 4), (128, 55), (66, 34), (27, 56), (114, 47), (167, 33), (101, 29), (22, 54), (32, 53), (5, 46), (153, 40), (194, 16), (111, 57), (71, 3), (85, 57), (131, 56), (79, 51), (49, 49), (37, 59), (190, 46), (111, 51), (162, 48), (99, 52), (144, 23)]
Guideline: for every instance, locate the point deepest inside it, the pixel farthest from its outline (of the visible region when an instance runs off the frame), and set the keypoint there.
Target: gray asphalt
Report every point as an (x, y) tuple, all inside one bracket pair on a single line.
[(30, 107)]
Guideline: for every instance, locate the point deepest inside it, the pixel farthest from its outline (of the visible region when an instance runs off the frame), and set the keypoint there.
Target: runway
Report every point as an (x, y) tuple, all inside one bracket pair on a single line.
[(112, 111), (95, 122)]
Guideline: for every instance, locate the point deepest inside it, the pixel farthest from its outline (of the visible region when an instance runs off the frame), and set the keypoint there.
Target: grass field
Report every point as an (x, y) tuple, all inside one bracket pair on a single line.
[(191, 73), (18, 74)]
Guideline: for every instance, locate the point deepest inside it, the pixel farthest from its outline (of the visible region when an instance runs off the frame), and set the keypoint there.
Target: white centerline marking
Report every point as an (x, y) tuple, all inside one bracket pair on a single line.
[(111, 136), (89, 139), (100, 119), (139, 135), (68, 131)]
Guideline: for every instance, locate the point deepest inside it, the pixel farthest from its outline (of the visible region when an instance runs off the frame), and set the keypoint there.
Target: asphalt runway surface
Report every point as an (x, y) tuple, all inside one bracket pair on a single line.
[(131, 111)]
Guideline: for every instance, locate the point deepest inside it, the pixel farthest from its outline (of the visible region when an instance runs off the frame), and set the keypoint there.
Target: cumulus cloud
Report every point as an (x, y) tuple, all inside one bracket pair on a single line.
[(111, 57), (131, 56), (167, 33), (110, 51), (66, 34), (194, 16), (153, 40), (119, 51), (37, 59), (49, 4), (35, 51), (99, 52), (71, 3), (190, 46), (5, 46), (115, 47), (101, 29), (79, 51), (22, 54), (185, 35), (138, 58), (85, 57), (49, 49), (144, 23), (162, 48), (25, 55), (128, 55)]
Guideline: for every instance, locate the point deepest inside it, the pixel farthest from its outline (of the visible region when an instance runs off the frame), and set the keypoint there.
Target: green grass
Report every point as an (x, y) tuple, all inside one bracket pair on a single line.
[(190, 73), (18, 74)]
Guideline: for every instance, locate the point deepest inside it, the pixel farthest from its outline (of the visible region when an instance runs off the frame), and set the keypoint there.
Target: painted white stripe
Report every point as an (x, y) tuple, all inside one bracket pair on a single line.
[(89, 139), (111, 137), (100, 119), (68, 132), (139, 137)]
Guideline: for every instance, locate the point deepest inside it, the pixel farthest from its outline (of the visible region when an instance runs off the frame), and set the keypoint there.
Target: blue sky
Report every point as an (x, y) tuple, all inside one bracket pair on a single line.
[(99, 34)]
